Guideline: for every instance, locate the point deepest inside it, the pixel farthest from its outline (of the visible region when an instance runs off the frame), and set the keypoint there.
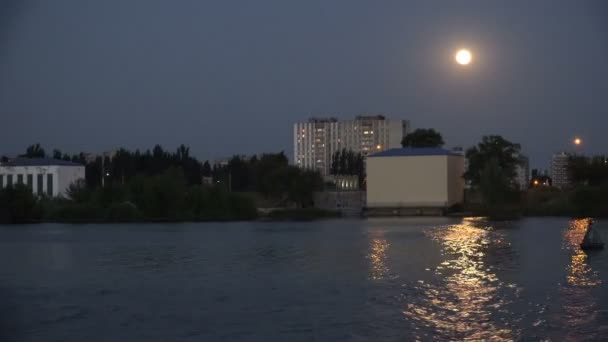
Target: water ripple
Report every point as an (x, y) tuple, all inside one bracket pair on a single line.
[(466, 300)]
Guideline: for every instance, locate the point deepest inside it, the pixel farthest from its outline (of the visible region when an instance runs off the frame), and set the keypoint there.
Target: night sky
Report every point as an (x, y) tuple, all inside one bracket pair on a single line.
[(228, 77)]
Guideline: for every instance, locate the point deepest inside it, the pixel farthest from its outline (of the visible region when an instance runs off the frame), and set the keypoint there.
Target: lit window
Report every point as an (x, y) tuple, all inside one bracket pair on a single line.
[(365, 132)]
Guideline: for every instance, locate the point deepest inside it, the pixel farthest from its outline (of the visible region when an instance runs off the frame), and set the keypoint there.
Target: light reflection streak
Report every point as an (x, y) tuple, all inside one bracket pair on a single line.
[(579, 272), (377, 256), (580, 307), (466, 300)]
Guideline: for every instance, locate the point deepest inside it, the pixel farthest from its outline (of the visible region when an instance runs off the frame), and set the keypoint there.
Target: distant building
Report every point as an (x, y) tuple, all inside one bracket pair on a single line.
[(539, 179), (44, 176), (415, 178), (221, 162), (523, 173), (316, 140), (559, 169), (344, 182)]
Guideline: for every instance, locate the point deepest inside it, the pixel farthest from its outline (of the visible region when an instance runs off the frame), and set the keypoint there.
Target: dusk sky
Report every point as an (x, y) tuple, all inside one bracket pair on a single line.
[(228, 77)]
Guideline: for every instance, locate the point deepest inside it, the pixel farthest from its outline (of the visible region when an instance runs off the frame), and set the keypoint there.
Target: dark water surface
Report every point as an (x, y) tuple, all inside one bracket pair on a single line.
[(375, 280)]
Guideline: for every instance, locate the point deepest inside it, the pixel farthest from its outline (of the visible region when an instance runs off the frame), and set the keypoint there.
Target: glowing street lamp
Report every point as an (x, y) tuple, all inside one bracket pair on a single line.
[(578, 141)]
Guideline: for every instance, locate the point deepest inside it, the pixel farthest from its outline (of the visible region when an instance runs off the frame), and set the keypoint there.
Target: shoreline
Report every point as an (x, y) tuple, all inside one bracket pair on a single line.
[(289, 219)]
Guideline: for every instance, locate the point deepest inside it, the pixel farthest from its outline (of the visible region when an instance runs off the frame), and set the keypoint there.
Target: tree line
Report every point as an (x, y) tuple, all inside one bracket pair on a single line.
[(161, 185)]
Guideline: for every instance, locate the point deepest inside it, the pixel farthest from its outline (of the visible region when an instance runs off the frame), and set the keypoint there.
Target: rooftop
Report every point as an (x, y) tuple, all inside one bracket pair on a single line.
[(415, 152), (38, 162)]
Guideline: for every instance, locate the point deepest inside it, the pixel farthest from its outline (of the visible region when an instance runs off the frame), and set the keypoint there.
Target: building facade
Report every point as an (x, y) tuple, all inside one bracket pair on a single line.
[(44, 176), (316, 140), (523, 173), (559, 169), (415, 178)]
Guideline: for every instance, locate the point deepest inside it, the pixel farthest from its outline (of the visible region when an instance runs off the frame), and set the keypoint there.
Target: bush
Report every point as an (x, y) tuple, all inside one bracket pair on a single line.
[(242, 207), (19, 205), (123, 212), (590, 201), (76, 212)]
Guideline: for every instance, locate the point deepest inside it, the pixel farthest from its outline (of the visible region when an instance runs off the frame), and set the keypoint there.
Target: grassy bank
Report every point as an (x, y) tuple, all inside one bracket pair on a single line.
[(581, 201)]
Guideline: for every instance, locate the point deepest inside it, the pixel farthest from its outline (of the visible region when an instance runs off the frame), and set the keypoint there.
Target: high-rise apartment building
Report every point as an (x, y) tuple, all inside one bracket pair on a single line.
[(523, 172), (559, 169), (316, 140)]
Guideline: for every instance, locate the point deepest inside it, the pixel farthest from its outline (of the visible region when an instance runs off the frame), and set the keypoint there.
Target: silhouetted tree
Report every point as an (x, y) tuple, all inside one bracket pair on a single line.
[(591, 171), (18, 204), (504, 152), (34, 151), (206, 169), (346, 162), (57, 154), (423, 137)]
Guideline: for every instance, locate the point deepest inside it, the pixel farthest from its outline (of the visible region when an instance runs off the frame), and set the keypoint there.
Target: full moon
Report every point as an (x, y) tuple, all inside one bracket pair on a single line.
[(463, 57)]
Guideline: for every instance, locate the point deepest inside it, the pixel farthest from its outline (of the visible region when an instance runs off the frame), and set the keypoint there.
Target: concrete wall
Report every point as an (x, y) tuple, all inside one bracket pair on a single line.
[(408, 181), (456, 182), (67, 175), (63, 176), (348, 202)]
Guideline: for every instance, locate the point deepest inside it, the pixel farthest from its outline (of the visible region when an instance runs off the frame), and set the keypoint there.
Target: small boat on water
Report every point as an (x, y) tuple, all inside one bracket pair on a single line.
[(592, 240)]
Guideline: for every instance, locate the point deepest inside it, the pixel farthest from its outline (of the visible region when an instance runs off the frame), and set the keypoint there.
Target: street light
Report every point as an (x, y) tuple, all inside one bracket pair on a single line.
[(578, 141)]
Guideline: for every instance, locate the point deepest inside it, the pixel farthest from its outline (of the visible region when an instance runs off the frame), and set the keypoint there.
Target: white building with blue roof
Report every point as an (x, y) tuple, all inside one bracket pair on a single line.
[(415, 178), (45, 176)]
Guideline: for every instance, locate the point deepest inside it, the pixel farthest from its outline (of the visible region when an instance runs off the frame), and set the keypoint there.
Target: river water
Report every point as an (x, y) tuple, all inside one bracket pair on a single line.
[(341, 280)]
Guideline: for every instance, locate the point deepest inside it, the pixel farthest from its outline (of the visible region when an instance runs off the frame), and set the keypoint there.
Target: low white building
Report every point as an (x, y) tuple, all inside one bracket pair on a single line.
[(415, 178), (50, 177)]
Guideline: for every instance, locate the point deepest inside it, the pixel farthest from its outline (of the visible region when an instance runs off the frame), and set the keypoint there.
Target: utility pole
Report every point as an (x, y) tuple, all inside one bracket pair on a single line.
[(109, 155), (103, 170)]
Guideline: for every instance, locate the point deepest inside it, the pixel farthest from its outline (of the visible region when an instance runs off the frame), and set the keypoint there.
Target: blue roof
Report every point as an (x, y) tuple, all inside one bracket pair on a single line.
[(415, 152), (38, 162)]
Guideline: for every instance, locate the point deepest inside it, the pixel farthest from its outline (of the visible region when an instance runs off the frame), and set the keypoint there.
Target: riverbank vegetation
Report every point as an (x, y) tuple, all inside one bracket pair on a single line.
[(301, 214), (158, 185), (491, 173), (495, 193)]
